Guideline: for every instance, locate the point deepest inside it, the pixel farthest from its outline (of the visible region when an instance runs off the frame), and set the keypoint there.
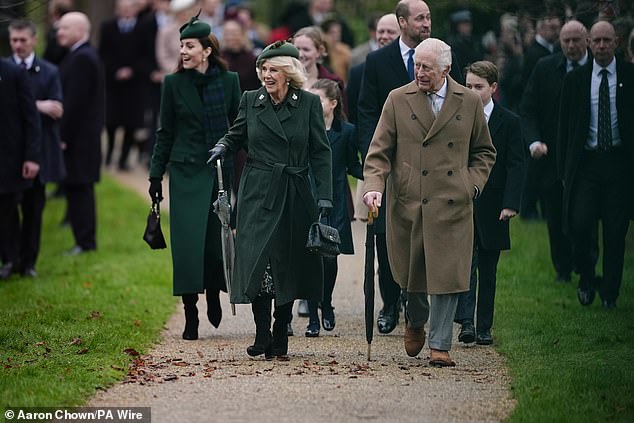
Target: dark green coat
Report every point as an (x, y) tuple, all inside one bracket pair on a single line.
[(181, 144), (275, 204)]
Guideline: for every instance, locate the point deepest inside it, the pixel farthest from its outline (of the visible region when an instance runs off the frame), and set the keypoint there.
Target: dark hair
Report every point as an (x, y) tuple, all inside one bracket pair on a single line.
[(214, 58), (21, 24), (402, 10), (333, 92), (484, 69)]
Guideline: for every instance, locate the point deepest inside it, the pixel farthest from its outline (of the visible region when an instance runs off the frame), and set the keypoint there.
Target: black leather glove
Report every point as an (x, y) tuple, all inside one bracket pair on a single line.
[(325, 206), (156, 190), (217, 152)]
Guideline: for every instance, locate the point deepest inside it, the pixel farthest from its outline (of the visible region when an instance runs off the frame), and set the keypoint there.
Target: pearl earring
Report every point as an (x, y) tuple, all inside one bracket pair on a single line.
[(288, 82)]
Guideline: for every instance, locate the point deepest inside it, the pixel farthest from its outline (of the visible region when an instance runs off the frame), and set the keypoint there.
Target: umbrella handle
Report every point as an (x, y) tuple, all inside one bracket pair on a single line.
[(219, 168)]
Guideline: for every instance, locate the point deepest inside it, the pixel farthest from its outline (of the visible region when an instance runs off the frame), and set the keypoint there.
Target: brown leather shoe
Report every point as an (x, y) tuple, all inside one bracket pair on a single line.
[(414, 340), (439, 358)]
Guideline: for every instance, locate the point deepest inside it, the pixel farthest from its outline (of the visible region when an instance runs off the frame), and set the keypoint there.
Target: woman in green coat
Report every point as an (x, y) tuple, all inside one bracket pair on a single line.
[(198, 103), (282, 128)]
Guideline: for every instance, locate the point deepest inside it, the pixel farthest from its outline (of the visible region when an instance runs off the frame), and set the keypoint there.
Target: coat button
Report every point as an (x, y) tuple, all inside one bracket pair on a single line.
[(425, 201), (413, 116), (425, 173), (450, 145), (450, 172), (425, 144), (450, 201)]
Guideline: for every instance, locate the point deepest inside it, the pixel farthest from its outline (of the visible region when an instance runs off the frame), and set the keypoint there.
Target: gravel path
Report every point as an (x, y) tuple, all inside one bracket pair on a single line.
[(325, 379)]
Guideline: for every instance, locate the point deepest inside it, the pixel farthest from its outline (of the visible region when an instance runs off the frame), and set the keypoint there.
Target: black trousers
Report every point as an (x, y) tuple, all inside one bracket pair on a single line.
[(32, 205), (531, 189), (602, 192), (82, 214), (390, 290), (560, 243), (483, 278), (9, 227), (128, 142)]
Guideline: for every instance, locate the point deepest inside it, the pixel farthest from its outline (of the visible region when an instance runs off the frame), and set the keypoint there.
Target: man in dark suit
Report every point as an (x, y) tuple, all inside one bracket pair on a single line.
[(82, 78), (127, 63), (596, 162), (388, 68), (539, 110), (19, 156), (544, 44), (47, 90), (499, 202)]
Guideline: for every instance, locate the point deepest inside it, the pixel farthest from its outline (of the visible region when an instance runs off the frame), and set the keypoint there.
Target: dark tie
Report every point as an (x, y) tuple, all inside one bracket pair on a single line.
[(574, 65), (23, 65), (410, 64), (604, 130)]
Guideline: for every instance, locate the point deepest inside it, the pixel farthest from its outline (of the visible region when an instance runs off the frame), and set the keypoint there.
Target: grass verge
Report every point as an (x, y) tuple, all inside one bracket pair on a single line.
[(568, 362), (65, 333)]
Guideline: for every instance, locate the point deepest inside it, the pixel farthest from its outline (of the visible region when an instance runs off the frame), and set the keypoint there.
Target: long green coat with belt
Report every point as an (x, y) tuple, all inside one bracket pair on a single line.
[(275, 204), (181, 144)]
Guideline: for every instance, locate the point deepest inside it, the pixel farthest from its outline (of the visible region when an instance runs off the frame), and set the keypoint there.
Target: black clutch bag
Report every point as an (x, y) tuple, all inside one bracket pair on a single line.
[(153, 234), (323, 240)]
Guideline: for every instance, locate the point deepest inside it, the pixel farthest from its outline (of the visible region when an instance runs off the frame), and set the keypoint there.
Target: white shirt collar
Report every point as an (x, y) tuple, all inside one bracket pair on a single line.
[(404, 49), (543, 42), (442, 92), (29, 60), (488, 109), (596, 68), (78, 44)]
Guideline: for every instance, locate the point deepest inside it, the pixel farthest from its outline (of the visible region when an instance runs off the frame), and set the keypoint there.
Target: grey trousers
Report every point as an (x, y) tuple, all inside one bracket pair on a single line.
[(440, 310)]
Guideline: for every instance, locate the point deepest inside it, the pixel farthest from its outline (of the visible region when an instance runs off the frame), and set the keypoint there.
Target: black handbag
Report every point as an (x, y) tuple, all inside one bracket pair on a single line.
[(323, 240), (153, 234)]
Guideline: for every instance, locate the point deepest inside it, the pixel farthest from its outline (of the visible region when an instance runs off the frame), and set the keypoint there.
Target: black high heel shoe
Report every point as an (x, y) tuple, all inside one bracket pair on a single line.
[(191, 317), (262, 345)]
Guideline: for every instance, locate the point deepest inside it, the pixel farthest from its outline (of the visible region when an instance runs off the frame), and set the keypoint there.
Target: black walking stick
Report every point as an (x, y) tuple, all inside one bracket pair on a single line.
[(368, 279)]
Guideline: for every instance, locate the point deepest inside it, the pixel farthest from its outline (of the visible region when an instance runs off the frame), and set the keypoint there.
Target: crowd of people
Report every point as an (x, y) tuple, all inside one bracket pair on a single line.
[(448, 140)]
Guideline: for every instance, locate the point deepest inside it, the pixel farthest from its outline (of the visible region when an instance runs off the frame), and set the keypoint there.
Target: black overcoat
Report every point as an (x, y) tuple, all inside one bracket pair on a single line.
[(19, 127), (82, 78), (504, 186), (275, 202), (46, 85), (345, 161), (124, 98)]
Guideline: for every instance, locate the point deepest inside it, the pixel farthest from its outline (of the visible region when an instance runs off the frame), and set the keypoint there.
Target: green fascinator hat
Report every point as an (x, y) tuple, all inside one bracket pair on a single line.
[(278, 48), (195, 28)]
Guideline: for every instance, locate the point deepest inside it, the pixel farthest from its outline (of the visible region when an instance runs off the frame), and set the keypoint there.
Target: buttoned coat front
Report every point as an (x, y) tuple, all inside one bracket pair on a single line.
[(430, 168), (276, 205)]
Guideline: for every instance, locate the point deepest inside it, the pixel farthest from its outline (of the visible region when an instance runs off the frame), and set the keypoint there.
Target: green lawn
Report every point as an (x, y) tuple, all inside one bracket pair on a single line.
[(568, 363), (63, 334)]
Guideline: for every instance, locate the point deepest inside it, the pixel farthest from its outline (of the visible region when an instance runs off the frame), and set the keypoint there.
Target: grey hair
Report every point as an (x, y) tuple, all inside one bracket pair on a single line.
[(439, 48), (292, 68)]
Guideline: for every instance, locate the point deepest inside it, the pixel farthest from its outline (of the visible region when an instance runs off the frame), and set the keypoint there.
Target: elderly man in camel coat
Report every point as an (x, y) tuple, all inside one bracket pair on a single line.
[(433, 143)]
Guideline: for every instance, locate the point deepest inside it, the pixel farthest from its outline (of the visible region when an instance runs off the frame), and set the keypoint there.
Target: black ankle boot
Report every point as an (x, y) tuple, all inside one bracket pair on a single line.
[(282, 316), (261, 307), (214, 310), (312, 330), (191, 317)]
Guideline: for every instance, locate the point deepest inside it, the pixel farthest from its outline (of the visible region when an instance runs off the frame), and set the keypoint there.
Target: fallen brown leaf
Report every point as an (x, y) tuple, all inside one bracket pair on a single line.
[(82, 351)]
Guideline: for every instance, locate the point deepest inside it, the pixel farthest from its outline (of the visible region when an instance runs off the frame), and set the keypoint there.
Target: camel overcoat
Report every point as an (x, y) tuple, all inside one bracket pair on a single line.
[(430, 168)]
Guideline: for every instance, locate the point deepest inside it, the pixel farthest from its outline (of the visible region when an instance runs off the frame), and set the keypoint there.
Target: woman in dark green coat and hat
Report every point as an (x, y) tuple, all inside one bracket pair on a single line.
[(198, 103), (282, 128)]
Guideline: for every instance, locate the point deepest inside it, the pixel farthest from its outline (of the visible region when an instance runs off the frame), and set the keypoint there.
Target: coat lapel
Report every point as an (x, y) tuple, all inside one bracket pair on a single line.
[(421, 109), (396, 61), (190, 95), (495, 120), (452, 103), (267, 115)]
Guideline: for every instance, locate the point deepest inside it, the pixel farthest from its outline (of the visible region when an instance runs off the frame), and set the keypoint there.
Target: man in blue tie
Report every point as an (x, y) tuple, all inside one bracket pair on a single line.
[(596, 163)]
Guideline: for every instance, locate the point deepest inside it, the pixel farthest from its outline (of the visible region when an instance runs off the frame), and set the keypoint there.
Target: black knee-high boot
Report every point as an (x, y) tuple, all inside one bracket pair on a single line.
[(282, 316), (191, 317), (214, 310), (261, 307)]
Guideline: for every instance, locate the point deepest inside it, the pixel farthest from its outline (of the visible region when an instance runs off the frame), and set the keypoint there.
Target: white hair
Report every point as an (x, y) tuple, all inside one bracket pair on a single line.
[(292, 68), (439, 48)]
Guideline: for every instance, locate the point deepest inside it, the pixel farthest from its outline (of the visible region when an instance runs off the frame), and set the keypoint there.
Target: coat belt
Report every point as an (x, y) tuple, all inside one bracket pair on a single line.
[(281, 170)]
